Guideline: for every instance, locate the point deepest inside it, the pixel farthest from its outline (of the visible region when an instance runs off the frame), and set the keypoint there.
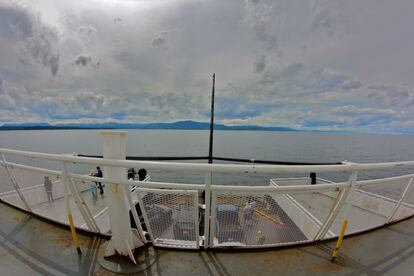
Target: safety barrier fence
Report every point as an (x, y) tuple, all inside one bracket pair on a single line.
[(287, 211)]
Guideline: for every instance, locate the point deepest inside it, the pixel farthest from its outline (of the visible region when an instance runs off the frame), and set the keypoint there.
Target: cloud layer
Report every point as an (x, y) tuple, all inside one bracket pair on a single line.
[(341, 65)]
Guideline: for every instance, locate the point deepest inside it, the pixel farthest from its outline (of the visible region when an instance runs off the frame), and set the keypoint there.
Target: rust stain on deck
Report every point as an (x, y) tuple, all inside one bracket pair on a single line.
[(327, 266), (63, 240), (18, 218)]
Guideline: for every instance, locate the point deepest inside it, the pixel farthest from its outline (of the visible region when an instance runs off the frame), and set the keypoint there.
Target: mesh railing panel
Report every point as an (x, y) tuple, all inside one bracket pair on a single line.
[(372, 205), (254, 220), (45, 196), (380, 200), (7, 191), (389, 188), (359, 217), (319, 204), (35, 189), (171, 217), (406, 207)]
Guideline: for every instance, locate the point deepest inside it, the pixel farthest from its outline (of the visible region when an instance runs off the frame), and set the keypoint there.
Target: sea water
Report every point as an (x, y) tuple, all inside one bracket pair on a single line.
[(263, 145)]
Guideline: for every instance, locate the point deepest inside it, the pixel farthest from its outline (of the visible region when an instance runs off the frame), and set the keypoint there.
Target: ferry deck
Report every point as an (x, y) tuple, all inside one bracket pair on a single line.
[(33, 246), (291, 225)]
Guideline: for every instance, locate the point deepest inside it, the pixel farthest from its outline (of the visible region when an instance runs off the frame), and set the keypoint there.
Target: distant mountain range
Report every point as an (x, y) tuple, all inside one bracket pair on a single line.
[(184, 125)]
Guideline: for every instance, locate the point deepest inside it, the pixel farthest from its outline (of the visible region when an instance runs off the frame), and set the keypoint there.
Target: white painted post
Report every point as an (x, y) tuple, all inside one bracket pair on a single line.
[(341, 200), (122, 241), (207, 221), (194, 194), (80, 203), (213, 216)]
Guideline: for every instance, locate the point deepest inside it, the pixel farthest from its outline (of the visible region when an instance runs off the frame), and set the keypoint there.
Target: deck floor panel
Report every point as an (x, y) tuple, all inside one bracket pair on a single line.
[(29, 246)]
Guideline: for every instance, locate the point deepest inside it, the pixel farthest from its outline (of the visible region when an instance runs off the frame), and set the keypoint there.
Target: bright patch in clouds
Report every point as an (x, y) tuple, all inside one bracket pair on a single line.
[(330, 65)]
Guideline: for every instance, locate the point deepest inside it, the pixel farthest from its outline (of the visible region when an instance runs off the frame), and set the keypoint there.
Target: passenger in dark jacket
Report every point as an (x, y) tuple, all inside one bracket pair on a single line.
[(99, 174), (142, 174)]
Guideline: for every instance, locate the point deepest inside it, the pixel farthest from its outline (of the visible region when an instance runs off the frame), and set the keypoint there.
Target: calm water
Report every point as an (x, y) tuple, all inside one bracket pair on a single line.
[(282, 146)]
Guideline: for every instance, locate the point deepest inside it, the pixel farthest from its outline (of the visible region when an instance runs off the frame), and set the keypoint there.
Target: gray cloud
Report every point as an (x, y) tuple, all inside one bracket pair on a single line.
[(41, 50), (16, 102), (325, 16), (160, 39), (87, 33), (259, 64), (89, 101), (391, 96), (83, 60), (328, 99), (260, 14), (351, 84), (239, 41), (11, 97), (36, 41), (15, 22)]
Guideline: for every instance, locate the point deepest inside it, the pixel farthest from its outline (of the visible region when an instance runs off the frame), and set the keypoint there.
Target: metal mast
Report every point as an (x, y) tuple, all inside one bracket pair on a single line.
[(210, 149)]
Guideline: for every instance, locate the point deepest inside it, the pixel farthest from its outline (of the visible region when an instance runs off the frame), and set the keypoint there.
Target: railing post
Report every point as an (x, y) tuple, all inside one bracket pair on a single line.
[(342, 199), (123, 241), (213, 215), (145, 216), (80, 203), (346, 214), (332, 214), (196, 218), (135, 215), (207, 220), (70, 218)]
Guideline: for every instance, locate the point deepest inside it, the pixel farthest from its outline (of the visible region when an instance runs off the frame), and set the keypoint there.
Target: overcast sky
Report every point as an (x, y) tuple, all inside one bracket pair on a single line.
[(320, 64)]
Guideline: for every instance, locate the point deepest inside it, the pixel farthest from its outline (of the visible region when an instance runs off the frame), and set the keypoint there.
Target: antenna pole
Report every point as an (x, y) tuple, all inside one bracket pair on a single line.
[(210, 149)]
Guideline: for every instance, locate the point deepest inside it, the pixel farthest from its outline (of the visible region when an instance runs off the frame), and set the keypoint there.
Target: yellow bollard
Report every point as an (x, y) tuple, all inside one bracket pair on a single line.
[(74, 235), (339, 242)]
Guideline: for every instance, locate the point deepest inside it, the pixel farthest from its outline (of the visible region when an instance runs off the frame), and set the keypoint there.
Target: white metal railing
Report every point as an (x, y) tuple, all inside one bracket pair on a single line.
[(225, 168), (291, 207)]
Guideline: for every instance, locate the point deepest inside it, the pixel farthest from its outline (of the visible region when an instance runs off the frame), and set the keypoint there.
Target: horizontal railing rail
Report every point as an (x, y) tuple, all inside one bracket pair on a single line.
[(166, 185), (217, 158), (229, 168)]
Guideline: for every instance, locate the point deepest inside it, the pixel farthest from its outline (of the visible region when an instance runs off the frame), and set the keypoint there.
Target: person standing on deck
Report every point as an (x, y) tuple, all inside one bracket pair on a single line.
[(48, 188), (94, 191), (92, 186), (248, 211), (99, 174), (131, 173), (260, 238), (142, 174)]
